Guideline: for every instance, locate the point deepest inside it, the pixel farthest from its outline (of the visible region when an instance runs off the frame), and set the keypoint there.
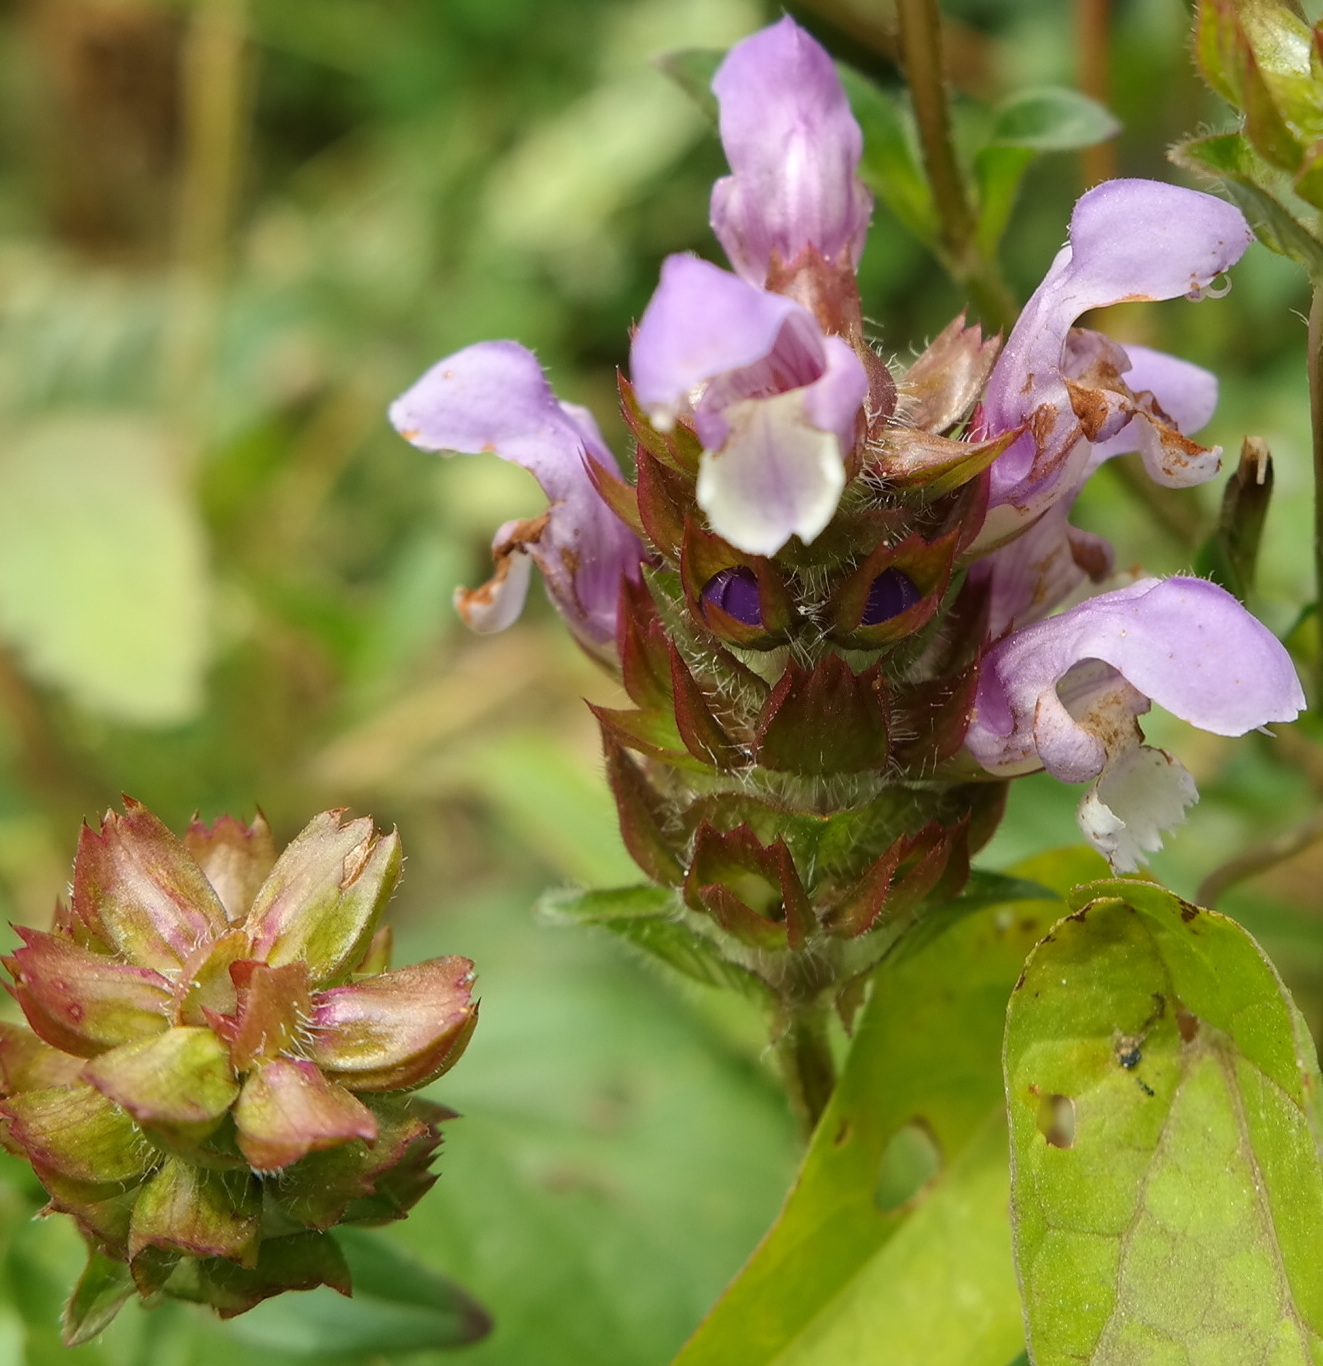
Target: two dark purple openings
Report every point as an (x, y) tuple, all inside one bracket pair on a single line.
[(735, 592)]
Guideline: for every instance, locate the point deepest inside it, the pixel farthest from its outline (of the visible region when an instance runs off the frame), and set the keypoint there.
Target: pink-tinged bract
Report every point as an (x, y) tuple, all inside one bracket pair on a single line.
[(196, 1058)]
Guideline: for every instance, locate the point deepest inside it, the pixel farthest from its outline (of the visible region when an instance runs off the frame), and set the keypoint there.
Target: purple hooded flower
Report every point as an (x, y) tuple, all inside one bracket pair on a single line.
[(775, 403), (794, 149), (1064, 695), (773, 393), (1084, 397), (494, 397)]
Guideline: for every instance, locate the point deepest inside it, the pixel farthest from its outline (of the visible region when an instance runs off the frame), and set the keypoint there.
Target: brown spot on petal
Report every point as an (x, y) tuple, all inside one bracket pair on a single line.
[(1090, 406)]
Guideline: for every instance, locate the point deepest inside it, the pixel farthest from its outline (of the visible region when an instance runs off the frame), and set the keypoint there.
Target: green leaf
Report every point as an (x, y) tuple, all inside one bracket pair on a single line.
[(844, 1265), (692, 70), (998, 172), (1229, 158), (1167, 1188), (99, 1295), (103, 581), (1052, 119), (891, 167), (653, 920), (399, 1305)]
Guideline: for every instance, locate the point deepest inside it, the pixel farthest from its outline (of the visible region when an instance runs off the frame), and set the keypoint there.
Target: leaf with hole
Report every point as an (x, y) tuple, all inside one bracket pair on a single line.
[(895, 1231), (1167, 1194)]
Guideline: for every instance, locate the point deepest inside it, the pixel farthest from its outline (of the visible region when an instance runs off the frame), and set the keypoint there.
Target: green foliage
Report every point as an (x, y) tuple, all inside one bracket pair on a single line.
[(930, 1276), (104, 588), (1162, 1087)]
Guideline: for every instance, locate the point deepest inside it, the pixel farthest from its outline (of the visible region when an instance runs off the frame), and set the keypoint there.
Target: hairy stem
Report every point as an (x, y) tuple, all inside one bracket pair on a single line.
[(803, 1050), (921, 50), (925, 74)]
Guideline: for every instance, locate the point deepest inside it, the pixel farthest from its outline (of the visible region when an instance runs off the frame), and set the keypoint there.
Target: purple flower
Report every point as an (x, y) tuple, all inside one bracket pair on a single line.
[(770, 385), (1064, 695), (1084, 397), (775, 403), (494, 397), (794, 148)]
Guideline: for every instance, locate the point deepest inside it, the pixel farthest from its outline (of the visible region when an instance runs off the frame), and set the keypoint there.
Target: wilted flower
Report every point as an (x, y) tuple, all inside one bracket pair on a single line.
[(216, 1063), (835, 591)]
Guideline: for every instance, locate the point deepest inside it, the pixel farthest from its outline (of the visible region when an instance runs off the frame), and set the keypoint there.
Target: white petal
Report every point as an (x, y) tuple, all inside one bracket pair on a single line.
[(1140, 795), (498, 603), (776, 476)]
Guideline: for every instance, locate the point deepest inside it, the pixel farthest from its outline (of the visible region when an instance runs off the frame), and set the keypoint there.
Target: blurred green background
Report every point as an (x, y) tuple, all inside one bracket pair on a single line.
[(230, 233)]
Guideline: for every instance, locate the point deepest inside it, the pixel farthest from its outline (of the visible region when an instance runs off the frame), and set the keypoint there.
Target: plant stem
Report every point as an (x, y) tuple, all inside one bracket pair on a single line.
[(921, 50), (925, 74), (215, 109), (1093, 66), (1258, 860), (1316, 431), (803, 1050)]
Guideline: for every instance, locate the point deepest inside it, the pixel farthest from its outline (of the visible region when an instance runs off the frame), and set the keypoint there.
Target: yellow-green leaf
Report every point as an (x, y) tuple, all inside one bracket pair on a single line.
[(1167, 1192)]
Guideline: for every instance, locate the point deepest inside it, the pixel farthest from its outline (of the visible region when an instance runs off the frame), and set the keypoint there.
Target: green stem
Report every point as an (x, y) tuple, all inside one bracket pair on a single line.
[(921, 54), (803, 1050), (1316, 431), (921, 50)]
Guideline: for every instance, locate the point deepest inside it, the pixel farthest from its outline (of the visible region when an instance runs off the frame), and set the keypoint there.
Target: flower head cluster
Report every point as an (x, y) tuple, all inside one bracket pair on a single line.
[(216, 1062), (836, 590)]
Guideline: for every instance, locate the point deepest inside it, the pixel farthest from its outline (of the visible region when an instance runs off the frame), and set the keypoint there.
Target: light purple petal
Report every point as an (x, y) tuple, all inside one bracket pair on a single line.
[(794, 148), (1129, 239), (494, 397), (832, 402), (1033, 574), (1185, 643), (703, 323)]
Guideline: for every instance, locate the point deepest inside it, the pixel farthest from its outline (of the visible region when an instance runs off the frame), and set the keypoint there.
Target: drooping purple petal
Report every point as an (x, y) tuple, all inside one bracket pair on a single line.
[(1186, 644), (494, 397), (794, 149), (1129, 240)]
